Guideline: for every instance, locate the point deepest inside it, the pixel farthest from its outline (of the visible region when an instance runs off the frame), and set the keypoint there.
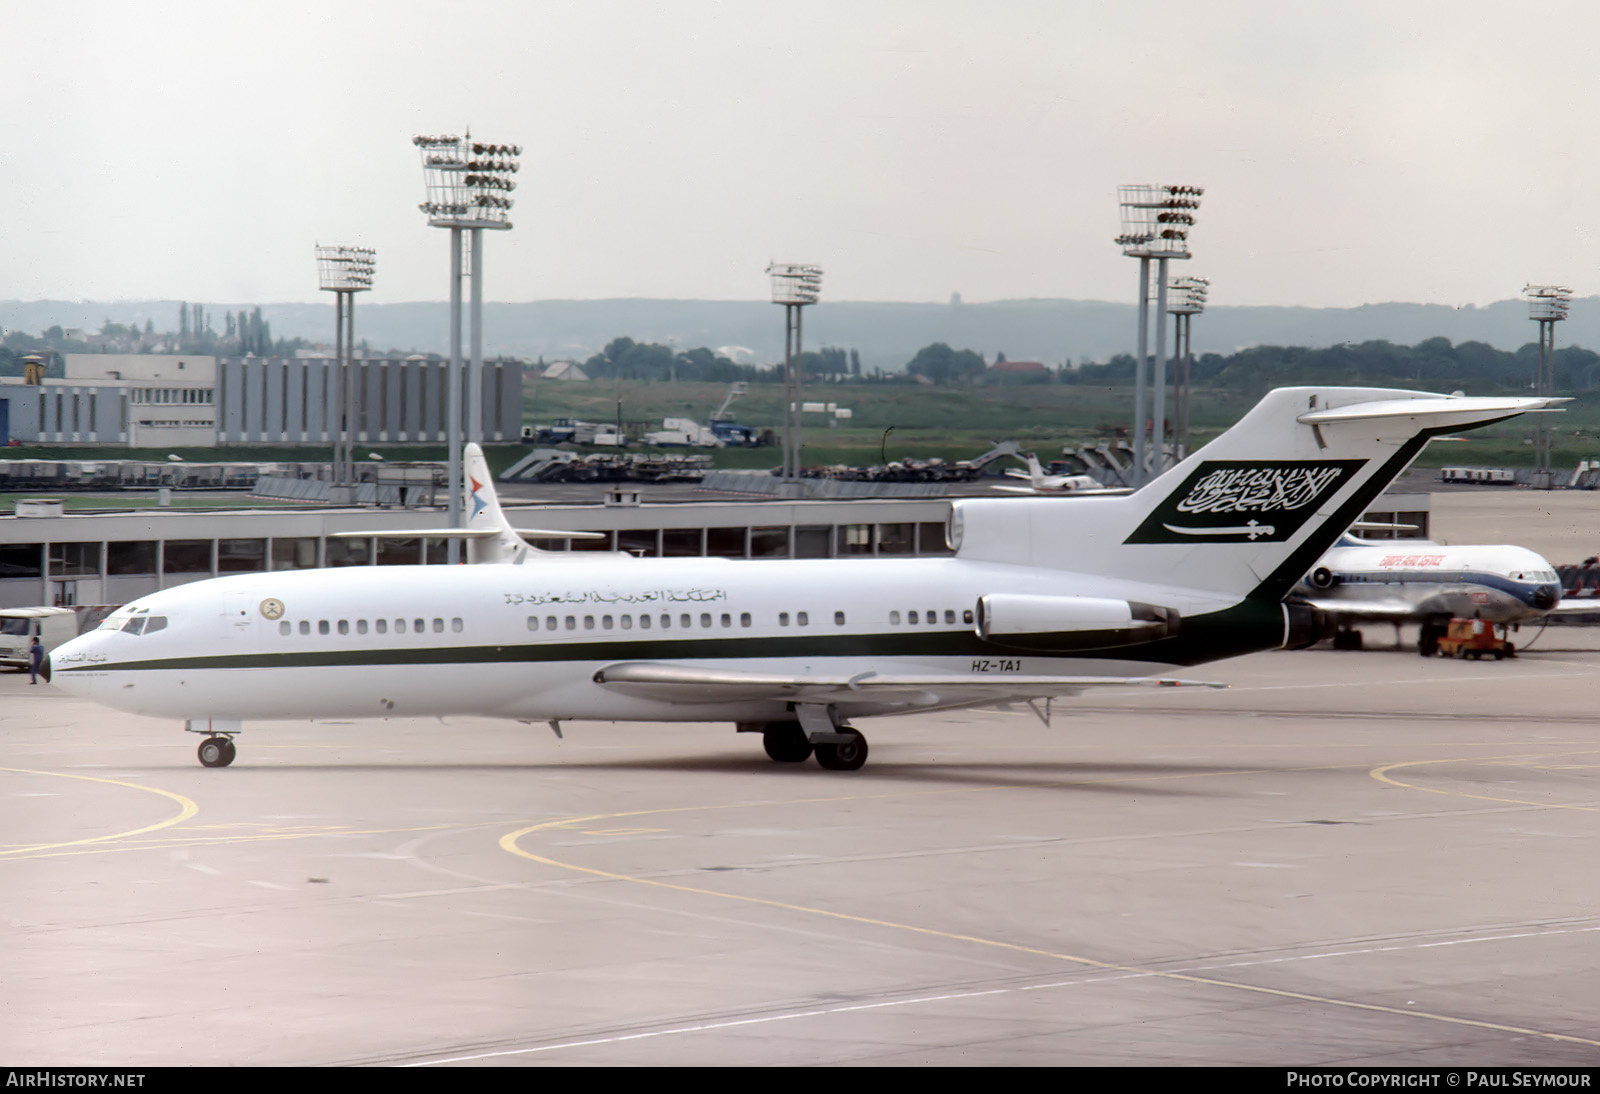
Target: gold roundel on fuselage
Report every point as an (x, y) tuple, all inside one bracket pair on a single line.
[(271, 608)]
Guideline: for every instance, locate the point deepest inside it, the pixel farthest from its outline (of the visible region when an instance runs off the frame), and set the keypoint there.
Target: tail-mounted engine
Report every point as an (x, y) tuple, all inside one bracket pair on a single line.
[(1065, 624), (1303, 626)]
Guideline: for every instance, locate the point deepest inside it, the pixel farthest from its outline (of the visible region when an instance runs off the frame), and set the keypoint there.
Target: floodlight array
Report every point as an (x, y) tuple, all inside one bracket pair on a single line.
[(1188, 295), (468, 182), (346, 269), (1156, 220), (794, 284), (1547, 303)]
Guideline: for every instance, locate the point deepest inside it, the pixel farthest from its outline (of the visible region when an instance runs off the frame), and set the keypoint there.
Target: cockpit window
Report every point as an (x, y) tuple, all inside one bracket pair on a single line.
[(143, 624)]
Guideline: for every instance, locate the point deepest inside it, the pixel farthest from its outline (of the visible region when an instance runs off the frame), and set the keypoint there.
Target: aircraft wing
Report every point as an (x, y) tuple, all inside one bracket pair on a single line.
[(1571, 606), (1390, 610), (688, 684)]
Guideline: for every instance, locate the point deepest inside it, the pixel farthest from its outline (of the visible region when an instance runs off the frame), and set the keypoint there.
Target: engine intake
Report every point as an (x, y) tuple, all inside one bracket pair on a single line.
[(1066, 624)]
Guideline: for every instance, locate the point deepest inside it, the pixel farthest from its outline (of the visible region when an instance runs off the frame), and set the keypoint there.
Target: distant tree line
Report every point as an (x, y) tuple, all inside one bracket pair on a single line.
[(1434, 364), (625, 359), (243, 334)]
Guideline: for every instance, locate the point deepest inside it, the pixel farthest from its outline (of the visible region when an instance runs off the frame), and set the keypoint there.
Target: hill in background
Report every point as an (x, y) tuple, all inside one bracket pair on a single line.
[(885, 335)]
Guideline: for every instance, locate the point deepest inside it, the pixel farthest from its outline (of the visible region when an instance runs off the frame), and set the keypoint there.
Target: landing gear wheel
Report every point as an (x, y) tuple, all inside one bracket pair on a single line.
[(786, 742), (217, 752), (848, 756), (1428, 641)]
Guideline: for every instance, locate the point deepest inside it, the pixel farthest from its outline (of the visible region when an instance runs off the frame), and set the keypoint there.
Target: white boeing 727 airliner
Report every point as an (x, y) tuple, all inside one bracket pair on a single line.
[(1041, 599)]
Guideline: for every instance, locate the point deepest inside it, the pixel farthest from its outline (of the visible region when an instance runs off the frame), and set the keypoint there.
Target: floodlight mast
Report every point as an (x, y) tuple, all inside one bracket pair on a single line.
[(345, 271), (794, 286), (1547, 306), (469, 185), (1189, 301), (1156, 221)]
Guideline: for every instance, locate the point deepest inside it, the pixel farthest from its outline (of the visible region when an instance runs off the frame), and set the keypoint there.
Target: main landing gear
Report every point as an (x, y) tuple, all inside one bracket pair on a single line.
[(815, 733)]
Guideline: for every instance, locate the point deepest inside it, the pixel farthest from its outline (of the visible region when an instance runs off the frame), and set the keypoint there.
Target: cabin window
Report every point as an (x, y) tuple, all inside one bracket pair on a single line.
[(705, 619), (894, 618), (666, 620), (838, 619), (933, 617), (744, 619), (802, 618), (685, 622), (727, 620), (285, 627), (949, 616), (399, 626), (966, 616), (605, 622), (456, 625), (588, 622), (419, 625), (627, 622), (644, 622), (361, 626), (382, 626), (533, 622), (911, 617), (322, 626), (344, 626), (305, 626), (572, 622), (550, 623), (438, 626), (783, 619)]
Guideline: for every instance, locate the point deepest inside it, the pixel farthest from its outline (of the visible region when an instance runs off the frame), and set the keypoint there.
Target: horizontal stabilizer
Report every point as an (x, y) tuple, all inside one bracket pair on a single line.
[(1443, 410)]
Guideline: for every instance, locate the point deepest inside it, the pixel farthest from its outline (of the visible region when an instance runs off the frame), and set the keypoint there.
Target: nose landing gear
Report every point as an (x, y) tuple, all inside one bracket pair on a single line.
[(217, 750)]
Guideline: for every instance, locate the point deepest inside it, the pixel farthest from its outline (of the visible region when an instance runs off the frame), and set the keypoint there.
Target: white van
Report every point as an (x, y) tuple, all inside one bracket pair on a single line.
[(19, 627)]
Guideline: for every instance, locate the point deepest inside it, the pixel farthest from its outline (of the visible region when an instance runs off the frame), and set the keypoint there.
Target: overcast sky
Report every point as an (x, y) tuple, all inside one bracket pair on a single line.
[(1351, 153)]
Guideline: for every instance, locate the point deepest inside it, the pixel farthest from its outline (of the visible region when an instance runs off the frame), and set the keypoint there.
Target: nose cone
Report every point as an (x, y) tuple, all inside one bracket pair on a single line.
[(68, 657), (1546, 597)]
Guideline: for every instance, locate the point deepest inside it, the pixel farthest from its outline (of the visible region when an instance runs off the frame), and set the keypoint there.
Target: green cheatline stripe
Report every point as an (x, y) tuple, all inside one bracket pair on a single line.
[(1244, 628)]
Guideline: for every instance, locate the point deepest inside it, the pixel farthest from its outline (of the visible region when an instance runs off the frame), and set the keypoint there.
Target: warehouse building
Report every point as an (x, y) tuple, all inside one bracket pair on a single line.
[(178, 401)]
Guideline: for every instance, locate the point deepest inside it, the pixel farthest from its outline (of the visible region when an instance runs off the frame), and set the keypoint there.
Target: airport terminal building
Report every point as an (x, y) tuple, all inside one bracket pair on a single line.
[(182, 401)]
